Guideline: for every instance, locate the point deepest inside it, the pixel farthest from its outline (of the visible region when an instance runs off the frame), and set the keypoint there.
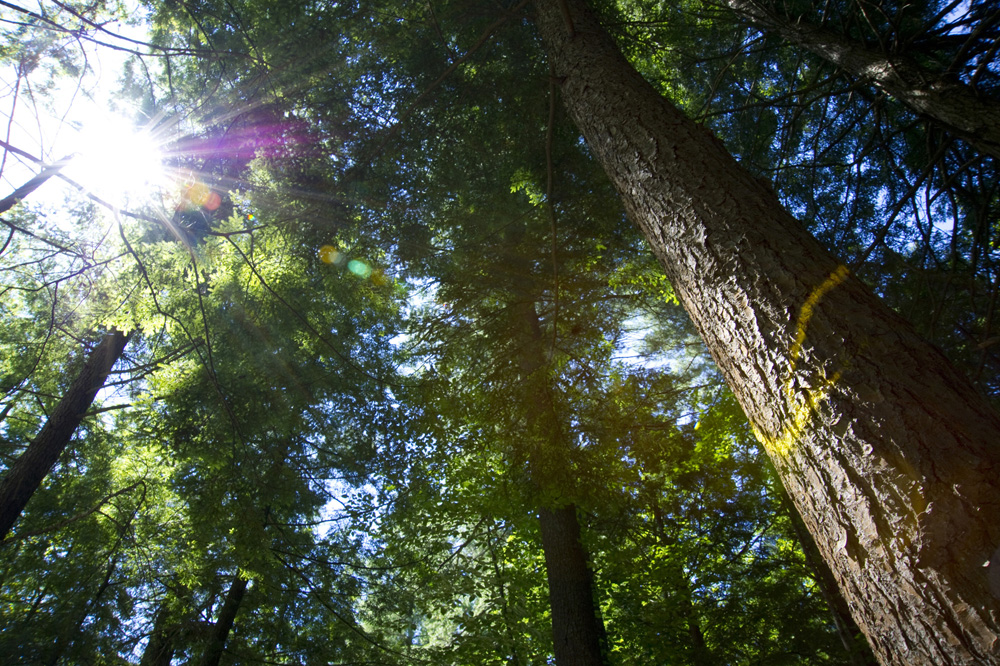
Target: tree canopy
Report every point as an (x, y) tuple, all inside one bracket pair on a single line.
[(391, 369)]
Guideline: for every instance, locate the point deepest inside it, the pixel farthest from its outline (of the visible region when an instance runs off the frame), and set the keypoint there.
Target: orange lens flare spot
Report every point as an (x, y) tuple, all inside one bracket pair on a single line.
[(328, 254), (198, 194), (213, 202)]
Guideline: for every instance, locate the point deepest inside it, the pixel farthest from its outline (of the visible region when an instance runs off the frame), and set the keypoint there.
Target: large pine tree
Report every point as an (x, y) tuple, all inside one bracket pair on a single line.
[(889, 453)]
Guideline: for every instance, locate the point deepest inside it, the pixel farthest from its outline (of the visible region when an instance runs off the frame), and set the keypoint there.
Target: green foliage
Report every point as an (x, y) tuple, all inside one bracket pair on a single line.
[(377, 477), (902, 201)]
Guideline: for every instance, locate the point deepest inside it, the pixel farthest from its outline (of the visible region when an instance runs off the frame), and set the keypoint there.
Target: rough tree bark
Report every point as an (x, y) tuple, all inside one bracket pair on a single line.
[(948, 101), (847, 629), (891, 457), (25, 475)]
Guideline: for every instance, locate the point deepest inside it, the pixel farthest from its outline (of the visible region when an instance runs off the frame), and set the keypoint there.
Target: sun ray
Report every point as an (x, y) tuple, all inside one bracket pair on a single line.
[(117, 161)]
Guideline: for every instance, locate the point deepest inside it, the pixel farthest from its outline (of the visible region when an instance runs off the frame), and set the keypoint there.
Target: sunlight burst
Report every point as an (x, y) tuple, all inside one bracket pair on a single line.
[(116, 161)]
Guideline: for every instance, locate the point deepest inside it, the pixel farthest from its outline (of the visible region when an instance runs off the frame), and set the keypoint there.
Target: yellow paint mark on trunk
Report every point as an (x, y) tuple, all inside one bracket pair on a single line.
[(802, 410)]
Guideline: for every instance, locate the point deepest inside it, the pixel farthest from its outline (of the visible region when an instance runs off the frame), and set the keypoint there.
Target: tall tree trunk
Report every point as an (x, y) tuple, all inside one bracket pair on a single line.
[(168, 624), (508, 622), (70, 636), (700, 654), (578, 633), (227, 616), (951, 103), (577, 629), (889, 454), (26, 473)]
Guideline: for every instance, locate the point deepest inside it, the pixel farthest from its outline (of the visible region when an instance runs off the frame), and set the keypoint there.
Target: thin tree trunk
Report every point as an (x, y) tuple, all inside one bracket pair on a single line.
[(889, 454), (33, 184), (25, 475), (701, 655), (952, 104), (508, 623), (160, 646), (847, 629), (223, 625), (73, 633), (578, 633), (577, 628)]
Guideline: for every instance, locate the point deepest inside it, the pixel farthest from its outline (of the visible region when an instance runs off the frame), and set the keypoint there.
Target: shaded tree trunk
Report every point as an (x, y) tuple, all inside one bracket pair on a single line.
[(508, 622), (847, 629), (577, 629), (890, 456), (224, 624), (578, 634), (25, 475), (69, 637), (161, 644), (948, 101), (700, 653), (169, 624)]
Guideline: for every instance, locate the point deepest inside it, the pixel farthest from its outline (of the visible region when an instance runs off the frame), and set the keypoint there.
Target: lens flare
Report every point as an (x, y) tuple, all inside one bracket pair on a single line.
[(328, 254), (359, 268), (200, 195), (113, 160)]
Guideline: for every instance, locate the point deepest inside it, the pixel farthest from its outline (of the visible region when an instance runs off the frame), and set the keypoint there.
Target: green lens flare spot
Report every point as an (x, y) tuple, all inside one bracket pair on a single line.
[(359, 268)]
